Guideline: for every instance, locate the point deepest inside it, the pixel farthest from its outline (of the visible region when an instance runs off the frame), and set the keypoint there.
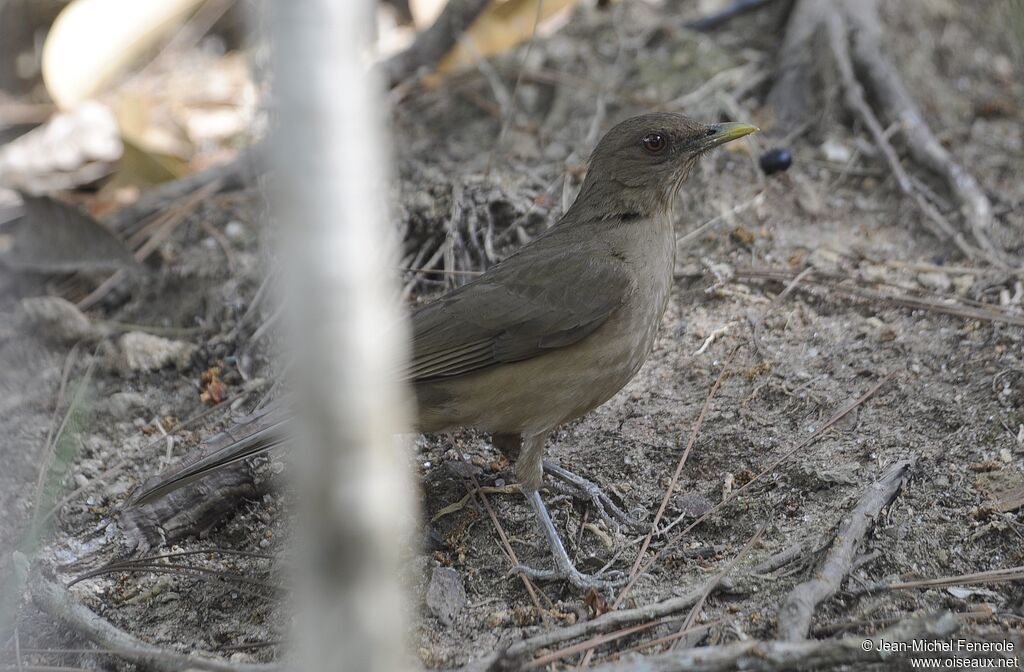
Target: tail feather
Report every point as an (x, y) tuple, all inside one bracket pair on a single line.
[(253, 435)]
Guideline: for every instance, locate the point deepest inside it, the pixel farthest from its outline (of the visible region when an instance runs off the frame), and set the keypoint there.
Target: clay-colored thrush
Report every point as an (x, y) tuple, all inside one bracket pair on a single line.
[(554, 330)]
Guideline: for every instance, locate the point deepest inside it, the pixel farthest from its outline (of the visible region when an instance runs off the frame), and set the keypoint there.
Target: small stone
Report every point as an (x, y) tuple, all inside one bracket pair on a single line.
[(692, 504), (807, 196), (824, 259), (874, 272), (462, 469), (962, 284), (146, 352), (835, 151), (935, 280), (234, 229), (496, 618), (446, 595), (121, 404)]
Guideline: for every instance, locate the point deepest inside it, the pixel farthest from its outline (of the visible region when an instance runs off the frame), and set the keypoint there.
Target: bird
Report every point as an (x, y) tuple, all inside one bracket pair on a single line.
[(546, 335)]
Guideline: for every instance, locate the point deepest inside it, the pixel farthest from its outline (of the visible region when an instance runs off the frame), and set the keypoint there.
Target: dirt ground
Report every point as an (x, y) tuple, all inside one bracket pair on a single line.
[(954, 403)]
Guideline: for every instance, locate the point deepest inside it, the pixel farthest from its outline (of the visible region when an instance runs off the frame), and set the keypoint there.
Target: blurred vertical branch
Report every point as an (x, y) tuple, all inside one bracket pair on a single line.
[(357, 501), (1015, 14)]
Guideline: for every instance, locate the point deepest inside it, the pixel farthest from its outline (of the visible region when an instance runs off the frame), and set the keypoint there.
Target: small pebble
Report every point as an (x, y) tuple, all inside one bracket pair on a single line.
[(446, 595), (234, 229), (835, 151), (776, 160)]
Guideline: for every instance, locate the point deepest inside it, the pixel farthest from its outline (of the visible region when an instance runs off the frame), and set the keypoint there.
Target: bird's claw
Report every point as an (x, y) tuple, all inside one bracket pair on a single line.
[(587, 490)]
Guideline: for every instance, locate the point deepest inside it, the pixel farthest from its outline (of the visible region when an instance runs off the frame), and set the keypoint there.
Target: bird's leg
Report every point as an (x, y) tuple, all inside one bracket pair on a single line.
[(580, 487), (564, 569), (528, 452)]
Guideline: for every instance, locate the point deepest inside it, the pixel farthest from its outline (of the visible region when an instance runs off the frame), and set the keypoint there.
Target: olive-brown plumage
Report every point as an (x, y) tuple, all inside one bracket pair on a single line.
[(554, 330)]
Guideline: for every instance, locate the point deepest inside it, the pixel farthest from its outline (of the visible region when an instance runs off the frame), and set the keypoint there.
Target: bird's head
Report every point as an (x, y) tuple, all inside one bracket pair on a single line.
[(639, 164)]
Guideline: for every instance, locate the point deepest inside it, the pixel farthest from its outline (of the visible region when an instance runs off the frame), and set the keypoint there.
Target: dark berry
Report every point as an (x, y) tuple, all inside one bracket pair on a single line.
[(776, 160)]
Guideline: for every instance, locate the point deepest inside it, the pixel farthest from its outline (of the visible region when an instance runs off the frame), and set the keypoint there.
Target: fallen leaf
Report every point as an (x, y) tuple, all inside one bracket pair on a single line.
[(92, 42), (54, 237), (500, 27)]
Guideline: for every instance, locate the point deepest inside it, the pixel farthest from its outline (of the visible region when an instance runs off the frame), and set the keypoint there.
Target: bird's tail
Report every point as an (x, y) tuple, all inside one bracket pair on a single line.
[(250, 436)]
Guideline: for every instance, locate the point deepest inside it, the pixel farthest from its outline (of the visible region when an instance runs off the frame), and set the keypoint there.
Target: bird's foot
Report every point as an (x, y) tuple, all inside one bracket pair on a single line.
[(601, 582), (564, 569), (587, 490)]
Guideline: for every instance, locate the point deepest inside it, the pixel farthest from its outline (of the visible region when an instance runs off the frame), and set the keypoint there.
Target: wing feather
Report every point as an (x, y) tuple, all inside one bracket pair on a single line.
[(529, 304)]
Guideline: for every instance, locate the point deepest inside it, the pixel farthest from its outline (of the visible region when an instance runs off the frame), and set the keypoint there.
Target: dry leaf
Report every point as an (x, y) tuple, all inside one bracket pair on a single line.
[(500, 27), (54, 237), (92, 42), (69, 150)]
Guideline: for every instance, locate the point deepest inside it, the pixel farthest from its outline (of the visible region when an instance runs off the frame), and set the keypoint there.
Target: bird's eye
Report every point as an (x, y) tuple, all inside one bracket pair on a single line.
[(654, 142)]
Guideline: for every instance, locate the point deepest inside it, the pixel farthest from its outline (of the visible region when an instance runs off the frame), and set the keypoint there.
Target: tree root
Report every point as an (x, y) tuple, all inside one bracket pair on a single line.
[(847, 34)]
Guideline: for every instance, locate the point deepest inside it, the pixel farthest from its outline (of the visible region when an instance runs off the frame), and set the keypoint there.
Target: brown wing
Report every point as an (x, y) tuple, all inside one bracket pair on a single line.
[(550, 297)]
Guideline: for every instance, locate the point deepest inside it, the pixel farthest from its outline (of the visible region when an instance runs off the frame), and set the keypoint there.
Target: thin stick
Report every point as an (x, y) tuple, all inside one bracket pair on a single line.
[(735, 210), (434, 42), (994, 576), (667, 639), (694, 433), (606, 622), (729, 566), (591, 643), (709, 587), (510, 113), (797, 611), (508, 548), (772, 656), (929, 302), (892, 96), (54, 600)]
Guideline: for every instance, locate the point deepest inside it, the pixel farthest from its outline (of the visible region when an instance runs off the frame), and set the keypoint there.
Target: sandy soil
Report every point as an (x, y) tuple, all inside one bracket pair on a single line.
[(954, 402)]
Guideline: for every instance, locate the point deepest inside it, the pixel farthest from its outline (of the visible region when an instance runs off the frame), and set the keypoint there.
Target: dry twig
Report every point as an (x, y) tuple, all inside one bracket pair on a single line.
[(797, 611), (694, 433), (54, 600), (772, 656), (507, 547), (1008, 575), (515, 654), (945, 305), (238, 173)]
